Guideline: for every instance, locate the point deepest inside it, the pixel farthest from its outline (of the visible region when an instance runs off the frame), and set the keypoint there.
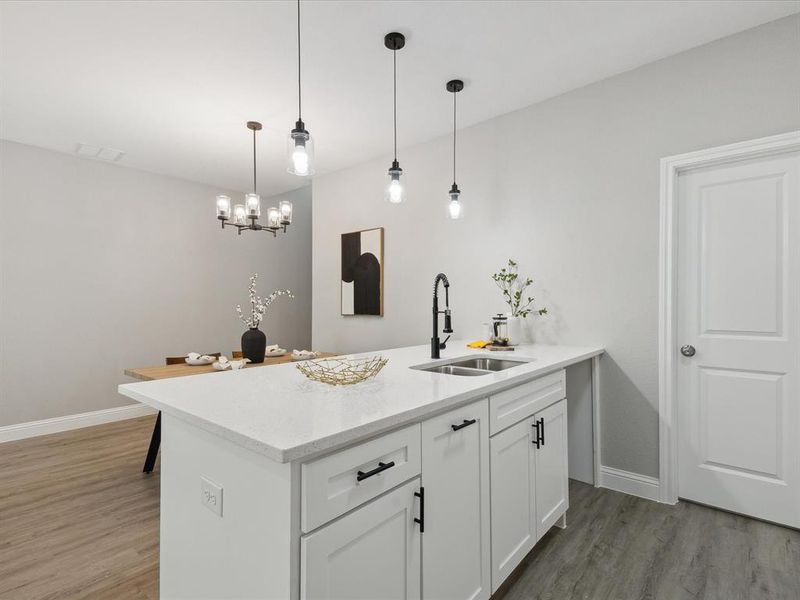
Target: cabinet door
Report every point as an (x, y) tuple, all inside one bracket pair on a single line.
[(372, 553), (455, 544), (513, 499), (552, 467)]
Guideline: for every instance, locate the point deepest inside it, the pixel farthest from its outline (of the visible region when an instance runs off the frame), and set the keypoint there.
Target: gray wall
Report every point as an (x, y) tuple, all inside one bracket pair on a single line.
[(570, 189), (103, 268)]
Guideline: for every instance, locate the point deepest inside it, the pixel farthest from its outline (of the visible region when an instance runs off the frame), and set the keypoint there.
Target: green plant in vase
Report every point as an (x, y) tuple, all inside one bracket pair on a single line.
[(520, 304)]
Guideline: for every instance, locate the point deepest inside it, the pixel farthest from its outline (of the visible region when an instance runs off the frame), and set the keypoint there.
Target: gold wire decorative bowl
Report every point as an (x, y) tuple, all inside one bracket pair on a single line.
[(342, 371)]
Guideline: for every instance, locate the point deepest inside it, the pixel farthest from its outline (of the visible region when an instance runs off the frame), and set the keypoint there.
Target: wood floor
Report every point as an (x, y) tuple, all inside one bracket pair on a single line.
[(618, 547), (78, 519)]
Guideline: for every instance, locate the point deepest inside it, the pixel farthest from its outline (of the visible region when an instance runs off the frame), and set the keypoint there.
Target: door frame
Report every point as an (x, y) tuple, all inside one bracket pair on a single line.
[(671, 168)]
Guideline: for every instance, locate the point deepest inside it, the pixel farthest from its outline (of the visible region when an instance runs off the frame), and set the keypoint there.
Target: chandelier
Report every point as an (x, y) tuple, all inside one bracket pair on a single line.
[(244, 217)]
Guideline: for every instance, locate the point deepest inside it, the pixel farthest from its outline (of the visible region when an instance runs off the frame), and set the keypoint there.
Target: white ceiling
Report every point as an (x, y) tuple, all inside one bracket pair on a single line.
[(172, 83)]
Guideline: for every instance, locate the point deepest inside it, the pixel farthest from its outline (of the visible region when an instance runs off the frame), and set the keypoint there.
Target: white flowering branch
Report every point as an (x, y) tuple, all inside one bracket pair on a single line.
[(259, 305)]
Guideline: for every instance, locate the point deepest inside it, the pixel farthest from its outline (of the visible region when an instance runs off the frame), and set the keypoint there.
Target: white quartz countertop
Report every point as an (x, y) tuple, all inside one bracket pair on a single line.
[(281, 414)]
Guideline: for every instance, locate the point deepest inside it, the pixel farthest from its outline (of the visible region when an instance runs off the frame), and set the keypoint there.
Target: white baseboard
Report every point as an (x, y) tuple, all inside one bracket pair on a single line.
[(630, 483), (21, 431)]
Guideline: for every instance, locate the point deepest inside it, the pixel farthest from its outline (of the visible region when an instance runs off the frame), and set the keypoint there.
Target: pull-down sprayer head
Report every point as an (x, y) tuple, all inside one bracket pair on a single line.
[(448, 323)]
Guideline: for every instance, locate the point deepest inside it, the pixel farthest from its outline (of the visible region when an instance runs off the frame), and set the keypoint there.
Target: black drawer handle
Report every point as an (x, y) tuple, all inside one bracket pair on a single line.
[(466, 423), (541, 430), (380, 468)]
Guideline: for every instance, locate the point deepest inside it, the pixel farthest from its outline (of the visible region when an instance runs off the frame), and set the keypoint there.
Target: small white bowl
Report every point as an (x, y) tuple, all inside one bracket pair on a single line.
[(196, 360), (303, 355), (221, 364)]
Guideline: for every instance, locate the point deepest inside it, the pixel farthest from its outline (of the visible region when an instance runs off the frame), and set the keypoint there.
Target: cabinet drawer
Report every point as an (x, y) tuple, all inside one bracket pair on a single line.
[(331, 486), (511, 406)]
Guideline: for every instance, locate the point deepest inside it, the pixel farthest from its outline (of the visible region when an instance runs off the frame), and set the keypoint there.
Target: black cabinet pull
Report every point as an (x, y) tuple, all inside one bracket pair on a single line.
[(421, 495), (537, 436), (540, 430), (466, 423), (380, 468)]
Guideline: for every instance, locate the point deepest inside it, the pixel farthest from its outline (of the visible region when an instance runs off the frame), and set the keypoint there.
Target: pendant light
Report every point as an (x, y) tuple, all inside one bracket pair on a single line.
[(395, 190), (300, 145), (245, 216), (454, 208)]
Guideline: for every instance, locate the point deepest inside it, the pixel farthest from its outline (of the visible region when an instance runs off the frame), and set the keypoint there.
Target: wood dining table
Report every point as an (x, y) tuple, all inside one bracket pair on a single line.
[(184, 370)]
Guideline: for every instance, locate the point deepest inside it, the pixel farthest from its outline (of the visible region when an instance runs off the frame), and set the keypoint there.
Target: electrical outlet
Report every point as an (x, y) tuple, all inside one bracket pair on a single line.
[(211, 496)]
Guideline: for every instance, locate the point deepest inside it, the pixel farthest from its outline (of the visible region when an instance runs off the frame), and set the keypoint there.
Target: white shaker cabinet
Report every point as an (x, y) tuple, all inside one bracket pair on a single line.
[(513, 499), (455, 543), (372, 553), (474, 507), (529, 485), (552, 468)]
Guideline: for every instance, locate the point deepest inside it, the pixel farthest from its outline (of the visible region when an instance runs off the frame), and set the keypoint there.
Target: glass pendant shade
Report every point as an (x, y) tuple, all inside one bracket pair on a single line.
[(239, 215), (285, 208), (454, 209), (253, 205), (300, 152), (395, 188), (223, 207), (273, 218)]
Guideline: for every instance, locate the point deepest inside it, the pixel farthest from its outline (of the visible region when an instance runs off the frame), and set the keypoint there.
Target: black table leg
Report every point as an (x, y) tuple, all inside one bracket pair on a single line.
[(152, 451)]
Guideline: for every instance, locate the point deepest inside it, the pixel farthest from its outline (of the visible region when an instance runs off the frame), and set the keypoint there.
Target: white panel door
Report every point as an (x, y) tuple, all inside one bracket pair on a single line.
[(455, 544), (552, 467), (738, 397), (373, 553), (513, 492)]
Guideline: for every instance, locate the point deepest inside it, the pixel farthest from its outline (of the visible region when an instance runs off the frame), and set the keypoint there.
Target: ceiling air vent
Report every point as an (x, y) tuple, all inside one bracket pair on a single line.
[(98, 153)]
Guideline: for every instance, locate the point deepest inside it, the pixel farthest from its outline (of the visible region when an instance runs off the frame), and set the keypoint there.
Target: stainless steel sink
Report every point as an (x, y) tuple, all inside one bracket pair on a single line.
[(471, 366), (487, 364), (454, 370)]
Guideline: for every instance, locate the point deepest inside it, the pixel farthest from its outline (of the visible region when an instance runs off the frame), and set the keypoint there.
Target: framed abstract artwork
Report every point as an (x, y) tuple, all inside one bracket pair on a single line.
[(362, 272)]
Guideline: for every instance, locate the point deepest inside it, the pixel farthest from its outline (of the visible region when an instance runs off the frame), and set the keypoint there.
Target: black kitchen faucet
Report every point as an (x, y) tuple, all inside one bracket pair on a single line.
[(436, 345)]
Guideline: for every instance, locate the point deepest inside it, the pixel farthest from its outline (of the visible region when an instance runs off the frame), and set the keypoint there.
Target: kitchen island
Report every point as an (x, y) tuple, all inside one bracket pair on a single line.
[(412, 484)]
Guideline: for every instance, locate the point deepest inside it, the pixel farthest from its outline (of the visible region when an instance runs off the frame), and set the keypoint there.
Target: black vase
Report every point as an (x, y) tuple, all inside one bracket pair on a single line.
[(254, 345)]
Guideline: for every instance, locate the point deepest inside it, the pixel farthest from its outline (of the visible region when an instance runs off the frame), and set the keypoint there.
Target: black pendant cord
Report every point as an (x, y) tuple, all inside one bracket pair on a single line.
[(299, 94), (394, 61), (394, 41), (255, 188), (454, 138), (454, 86)]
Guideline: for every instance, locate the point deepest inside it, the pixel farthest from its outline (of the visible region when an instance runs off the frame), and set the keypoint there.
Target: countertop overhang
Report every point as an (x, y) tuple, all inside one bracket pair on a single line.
[(281, 414)]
